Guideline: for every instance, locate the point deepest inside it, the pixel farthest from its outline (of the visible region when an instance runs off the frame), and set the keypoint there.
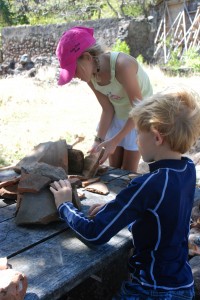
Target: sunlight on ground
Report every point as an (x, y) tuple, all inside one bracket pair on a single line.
[(37, 110)]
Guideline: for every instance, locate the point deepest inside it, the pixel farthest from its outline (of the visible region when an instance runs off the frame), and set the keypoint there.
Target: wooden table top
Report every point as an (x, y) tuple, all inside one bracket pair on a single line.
[(52, 257)]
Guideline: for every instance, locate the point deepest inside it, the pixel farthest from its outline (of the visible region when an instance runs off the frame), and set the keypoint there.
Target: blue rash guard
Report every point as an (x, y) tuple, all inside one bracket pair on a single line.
[(157, 207)]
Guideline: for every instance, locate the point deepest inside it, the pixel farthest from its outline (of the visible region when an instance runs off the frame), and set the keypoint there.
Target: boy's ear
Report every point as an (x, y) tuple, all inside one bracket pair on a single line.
[(158, 137)]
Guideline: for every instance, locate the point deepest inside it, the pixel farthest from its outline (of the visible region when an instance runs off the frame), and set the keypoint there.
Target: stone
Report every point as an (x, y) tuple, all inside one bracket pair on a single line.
[(195, 265)]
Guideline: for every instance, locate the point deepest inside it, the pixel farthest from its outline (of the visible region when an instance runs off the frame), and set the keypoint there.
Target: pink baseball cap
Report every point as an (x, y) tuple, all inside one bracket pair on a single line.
[(70, 47)]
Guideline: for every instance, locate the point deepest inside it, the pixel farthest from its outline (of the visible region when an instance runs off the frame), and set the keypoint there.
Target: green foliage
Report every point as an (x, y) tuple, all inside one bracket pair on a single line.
[(174, 63), (121, 46), (5, 14), (188, 63), (191, 59), (133, 10), (140, 59), (34, 12)]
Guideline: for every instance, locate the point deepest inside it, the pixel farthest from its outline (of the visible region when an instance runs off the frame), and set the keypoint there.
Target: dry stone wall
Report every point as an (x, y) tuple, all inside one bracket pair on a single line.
[(42, 40)]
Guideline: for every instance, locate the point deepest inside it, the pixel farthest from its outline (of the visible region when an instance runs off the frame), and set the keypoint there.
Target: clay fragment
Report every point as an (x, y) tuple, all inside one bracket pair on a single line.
[(91, 164), (98, 188), (90, 181)]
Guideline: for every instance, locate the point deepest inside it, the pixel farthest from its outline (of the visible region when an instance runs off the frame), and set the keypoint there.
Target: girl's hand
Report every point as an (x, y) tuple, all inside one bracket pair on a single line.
[(109, 146), (94, 209), (93, 148), (62, 192)]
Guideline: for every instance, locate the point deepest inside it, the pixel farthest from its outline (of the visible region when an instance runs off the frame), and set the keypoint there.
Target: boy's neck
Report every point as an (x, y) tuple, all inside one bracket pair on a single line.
[(168, 155)]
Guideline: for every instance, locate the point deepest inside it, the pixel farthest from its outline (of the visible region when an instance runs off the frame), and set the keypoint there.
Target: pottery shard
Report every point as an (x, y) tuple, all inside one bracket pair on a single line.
[(75, 161), (90, 181), (52, 153), (46, 170), (37, 208), (8, 177), (13, 285), (98, 188), (32, 183), (91, 164), (9, 192)]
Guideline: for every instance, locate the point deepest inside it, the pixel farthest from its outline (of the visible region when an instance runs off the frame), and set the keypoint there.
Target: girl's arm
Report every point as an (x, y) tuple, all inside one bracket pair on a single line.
[(106, 115)]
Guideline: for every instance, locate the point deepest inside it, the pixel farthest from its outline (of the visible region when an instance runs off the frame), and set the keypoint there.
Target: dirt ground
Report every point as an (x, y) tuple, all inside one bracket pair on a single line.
[(36, 110)]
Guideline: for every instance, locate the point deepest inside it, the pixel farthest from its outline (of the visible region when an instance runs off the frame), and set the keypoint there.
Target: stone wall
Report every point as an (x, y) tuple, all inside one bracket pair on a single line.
[(42, 40)]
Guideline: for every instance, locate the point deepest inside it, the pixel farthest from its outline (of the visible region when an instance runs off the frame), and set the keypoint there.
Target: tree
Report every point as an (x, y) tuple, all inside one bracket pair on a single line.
[(59, 11), (5, 14)]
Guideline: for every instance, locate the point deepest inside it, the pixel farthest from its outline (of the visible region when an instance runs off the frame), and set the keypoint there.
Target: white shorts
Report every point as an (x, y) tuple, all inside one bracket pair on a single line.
[(129, 141)]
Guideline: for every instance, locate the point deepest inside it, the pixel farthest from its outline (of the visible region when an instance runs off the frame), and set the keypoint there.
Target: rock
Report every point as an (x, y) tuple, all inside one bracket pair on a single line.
[(195, 265)]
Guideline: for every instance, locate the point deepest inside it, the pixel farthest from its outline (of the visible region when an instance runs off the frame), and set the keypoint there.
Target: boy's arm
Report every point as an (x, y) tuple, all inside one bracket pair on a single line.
[(109, 220)]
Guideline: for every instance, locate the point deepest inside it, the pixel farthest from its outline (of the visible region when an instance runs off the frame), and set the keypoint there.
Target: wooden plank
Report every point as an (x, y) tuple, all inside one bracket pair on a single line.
[(16, 238), (7, 212), (114, 174), (59, 264), (6, 202)]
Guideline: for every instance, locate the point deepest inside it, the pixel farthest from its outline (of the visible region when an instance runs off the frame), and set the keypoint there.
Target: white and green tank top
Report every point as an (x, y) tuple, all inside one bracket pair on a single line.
[(116, 93)]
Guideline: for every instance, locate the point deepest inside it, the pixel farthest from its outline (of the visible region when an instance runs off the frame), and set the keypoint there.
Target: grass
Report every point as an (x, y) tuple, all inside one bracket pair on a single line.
[(36, 110)]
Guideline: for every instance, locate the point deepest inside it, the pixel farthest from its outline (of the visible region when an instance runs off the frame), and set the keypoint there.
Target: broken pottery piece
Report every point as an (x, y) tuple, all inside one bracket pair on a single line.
[(9, 192), (13, 285), (52, 153), (8, 177), (102, 169), (3, 263), (98, 188), (37, 208), (80, 177), (91, 164), (32, 183), (90, 181), (54, 173), (75, 161)]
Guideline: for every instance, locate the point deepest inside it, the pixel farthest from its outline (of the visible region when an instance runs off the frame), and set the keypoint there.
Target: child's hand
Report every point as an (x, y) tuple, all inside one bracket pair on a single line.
[(94, 209), (93, 148), (62, 191), (109, 147)]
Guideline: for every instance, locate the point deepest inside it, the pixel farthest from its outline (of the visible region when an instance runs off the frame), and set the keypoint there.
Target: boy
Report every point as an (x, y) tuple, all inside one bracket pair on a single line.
[(157, 205)]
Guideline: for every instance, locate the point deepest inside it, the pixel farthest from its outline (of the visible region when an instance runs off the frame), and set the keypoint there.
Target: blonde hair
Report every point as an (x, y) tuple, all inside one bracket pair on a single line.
[(174, 113), (94, 51)]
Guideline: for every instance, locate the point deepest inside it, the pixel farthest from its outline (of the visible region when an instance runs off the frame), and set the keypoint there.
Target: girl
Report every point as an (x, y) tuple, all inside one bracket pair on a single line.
[(117, 80)]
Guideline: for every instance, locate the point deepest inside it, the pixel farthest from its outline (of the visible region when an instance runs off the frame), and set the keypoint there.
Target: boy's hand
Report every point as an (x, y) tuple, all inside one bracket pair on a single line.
[(62, 192), (94, 209)]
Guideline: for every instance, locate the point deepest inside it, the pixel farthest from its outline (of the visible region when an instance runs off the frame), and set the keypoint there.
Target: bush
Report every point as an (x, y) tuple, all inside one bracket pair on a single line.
[(121, 46), (188, 62)]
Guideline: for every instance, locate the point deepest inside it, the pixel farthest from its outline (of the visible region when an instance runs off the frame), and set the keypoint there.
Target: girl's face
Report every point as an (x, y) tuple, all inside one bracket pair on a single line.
[(84, 69)]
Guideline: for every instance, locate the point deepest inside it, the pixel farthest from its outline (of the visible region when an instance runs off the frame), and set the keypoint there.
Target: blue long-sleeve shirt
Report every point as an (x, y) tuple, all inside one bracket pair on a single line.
[(157, 207)]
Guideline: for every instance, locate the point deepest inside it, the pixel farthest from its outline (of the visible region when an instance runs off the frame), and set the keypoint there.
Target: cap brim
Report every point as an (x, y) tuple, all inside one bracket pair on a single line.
[(66, 75)]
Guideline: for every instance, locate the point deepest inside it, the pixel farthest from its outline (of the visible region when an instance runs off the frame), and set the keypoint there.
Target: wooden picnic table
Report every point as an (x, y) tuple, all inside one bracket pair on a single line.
[(53, 258)]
